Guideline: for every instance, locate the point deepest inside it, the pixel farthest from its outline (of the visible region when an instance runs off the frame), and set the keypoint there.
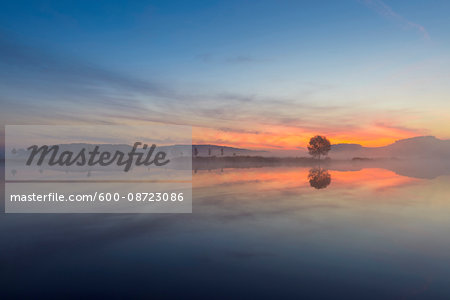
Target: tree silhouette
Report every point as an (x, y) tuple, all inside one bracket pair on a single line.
[(319, 145), (319, 178)]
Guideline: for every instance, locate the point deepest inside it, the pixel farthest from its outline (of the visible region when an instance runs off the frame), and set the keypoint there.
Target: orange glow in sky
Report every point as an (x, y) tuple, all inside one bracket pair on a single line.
[(289, 139)]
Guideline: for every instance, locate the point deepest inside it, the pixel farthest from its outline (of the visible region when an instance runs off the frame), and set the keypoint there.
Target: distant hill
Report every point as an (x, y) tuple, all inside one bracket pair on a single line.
[(203, 150), (417, 147)]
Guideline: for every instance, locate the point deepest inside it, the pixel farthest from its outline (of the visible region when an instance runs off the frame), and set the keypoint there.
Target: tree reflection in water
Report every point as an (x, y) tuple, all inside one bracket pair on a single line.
[(319, 178)]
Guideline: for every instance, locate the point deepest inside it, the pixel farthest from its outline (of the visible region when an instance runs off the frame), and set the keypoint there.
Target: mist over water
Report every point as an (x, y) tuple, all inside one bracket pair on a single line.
[(359, 230)]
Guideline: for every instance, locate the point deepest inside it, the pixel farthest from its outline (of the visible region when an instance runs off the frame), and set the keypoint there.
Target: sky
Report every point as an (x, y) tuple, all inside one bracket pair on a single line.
[(253, 74)]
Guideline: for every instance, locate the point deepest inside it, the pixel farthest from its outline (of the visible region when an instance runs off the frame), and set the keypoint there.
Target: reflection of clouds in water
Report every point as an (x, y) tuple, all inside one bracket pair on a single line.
[(230, 203), (319, 178), (243, 220), (232, 200), (257, 197)]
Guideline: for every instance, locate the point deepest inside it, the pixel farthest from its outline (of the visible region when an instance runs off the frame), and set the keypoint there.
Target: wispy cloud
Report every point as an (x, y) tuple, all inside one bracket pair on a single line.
[(66, 73), (386, 11), (391, 126), (61, 89)]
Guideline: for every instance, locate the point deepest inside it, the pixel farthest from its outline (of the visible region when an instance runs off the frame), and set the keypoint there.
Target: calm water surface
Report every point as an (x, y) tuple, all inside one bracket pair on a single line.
[(261, 232)]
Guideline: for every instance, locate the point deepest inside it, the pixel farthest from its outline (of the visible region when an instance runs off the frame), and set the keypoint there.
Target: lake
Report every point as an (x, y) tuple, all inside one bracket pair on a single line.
[(273, 232)]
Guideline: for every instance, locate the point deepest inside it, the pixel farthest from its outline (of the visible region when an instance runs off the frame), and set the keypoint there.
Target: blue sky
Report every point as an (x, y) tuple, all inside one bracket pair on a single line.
[(248, 73)]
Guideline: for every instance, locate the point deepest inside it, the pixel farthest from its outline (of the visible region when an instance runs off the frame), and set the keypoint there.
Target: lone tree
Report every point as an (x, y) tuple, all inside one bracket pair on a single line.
[(319, 178), (319, 145)]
